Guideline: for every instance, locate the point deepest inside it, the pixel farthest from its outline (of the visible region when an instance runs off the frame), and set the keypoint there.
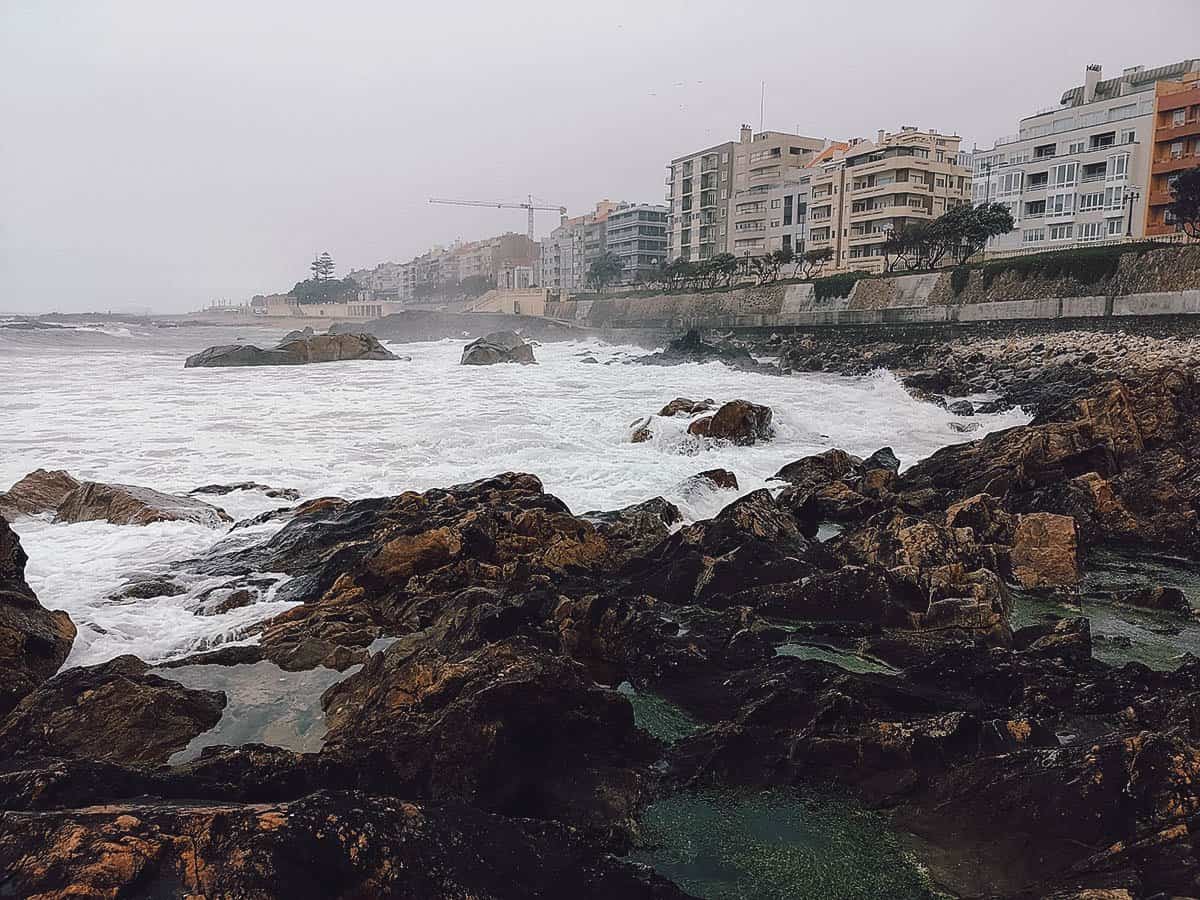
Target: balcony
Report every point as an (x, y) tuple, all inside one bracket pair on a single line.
[(1029, 188), (1160, 198), (1175, 132), (1175, 163)]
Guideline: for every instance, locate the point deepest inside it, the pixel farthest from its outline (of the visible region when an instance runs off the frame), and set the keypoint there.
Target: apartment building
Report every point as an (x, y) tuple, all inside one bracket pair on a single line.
[(571, 248), (766, 168), (1079, 171), (699, 186), (637, 234), (1175, 145), (860, 195)]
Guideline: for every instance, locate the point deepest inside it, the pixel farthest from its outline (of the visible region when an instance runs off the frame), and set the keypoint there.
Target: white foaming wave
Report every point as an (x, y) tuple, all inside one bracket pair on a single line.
[(369, 428)]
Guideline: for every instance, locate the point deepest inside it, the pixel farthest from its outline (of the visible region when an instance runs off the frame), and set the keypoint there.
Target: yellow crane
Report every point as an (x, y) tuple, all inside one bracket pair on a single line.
[(530, 206)]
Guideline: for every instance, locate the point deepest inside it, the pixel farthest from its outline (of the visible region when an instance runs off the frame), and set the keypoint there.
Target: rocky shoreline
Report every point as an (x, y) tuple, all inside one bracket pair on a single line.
[(493, 658)]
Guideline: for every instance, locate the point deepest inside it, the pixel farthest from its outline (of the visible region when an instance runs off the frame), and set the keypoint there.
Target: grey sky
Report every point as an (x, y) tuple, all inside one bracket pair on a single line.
[(163, 154)]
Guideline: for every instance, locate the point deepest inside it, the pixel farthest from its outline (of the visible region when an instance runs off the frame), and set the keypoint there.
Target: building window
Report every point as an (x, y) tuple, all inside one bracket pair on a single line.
[(1091, 201), (1179, 117), (1128, 137), (775, 203), (1118, 166), (1060, 232), (1063, 175), (1076, 147), (1034, 235), (1091, 231), (1062, 204), (1114, 226)]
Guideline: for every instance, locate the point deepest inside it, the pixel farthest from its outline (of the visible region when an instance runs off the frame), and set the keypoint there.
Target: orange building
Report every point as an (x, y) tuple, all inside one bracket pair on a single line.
[(1175, 145)]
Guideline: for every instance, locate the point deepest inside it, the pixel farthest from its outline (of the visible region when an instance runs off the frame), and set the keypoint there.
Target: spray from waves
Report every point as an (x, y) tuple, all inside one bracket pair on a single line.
[(361, 429)]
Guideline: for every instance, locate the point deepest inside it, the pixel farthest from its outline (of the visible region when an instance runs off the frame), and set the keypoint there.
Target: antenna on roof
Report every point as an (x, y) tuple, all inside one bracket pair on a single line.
[(762, 105)]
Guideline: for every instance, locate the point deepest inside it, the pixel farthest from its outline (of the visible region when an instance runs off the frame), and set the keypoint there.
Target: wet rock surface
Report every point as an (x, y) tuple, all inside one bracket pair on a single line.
[(34, 641), (492, 627), (71, 500), (694, 348), (498, 347), (738, 421), (294, 351)]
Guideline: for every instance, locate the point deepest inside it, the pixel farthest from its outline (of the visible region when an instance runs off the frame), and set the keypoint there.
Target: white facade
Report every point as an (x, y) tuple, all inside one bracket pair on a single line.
[(1077, 173)]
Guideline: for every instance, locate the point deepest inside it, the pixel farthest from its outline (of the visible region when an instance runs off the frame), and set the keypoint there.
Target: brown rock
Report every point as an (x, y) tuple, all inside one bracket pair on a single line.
[(1044, 551), (681, 406), (1167, 599), (34, 641), (113, 712), (127, 504), (739, 421), (38, 492), (722, 479), (314, 349)]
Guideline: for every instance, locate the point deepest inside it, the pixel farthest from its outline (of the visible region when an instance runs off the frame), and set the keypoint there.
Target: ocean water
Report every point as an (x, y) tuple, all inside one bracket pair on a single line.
[(114, 403)]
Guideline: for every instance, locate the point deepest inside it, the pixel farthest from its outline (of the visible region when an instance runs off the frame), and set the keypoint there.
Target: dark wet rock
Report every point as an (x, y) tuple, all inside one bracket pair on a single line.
[(682, 406), (147, 587), (498, 347), (40, 491), (34, 641), (265, 489), (115, 712), (883, 458), (738, 421), (328, 844), (473, 726), (692, 348), (127, 504), (634, 530), (1069, 639), (961, 408), (712, 479), (315, 349), (590, 360), (1166, 599)]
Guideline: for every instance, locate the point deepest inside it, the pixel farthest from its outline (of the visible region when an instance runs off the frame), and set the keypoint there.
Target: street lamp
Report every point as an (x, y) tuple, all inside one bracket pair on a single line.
[(1131, 197)]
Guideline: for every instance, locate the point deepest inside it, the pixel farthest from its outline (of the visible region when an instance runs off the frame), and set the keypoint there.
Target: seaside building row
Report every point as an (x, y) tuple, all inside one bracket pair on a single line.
[(1096, 166)]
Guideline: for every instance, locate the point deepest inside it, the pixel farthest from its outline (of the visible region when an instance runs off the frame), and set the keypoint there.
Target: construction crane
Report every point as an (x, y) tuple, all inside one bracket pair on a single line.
[(561, 210)]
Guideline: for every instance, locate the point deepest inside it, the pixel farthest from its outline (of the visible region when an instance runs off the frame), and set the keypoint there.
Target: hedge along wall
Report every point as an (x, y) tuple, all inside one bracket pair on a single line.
[(1089, 272)]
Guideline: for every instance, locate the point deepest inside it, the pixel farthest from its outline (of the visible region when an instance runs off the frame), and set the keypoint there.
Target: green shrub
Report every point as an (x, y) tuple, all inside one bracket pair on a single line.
[(959, 278), (832, 286)]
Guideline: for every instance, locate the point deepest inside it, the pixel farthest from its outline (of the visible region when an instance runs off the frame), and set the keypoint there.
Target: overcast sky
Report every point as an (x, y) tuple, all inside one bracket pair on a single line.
[(163, 154)]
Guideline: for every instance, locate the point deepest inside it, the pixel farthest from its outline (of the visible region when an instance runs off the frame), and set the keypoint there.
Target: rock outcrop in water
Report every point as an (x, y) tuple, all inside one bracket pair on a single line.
[(71, 500), (738, 421), (34, 641), (498, 347), (294, 351), (489, 720), (692, 348)]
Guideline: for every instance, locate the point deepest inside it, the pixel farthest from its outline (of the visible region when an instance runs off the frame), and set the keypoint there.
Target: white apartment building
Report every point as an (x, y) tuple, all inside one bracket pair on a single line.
[(1078, 172)]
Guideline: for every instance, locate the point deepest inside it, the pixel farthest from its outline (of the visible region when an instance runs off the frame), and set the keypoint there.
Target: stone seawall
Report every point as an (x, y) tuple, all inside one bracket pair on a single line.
[(1164, 282)]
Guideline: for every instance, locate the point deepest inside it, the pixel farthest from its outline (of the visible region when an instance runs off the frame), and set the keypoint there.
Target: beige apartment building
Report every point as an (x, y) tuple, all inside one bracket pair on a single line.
[(698, 189), (765, 168), (861, 195)]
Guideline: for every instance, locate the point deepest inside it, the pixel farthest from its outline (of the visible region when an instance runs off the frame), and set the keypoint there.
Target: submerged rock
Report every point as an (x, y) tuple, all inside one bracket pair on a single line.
[(498, 347), (294, 352), (1166, 599), (265, 489), (34, 641), (738, 421)]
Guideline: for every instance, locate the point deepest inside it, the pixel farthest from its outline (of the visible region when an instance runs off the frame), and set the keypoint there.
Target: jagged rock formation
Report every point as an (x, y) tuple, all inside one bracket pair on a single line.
[(489, 720)]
